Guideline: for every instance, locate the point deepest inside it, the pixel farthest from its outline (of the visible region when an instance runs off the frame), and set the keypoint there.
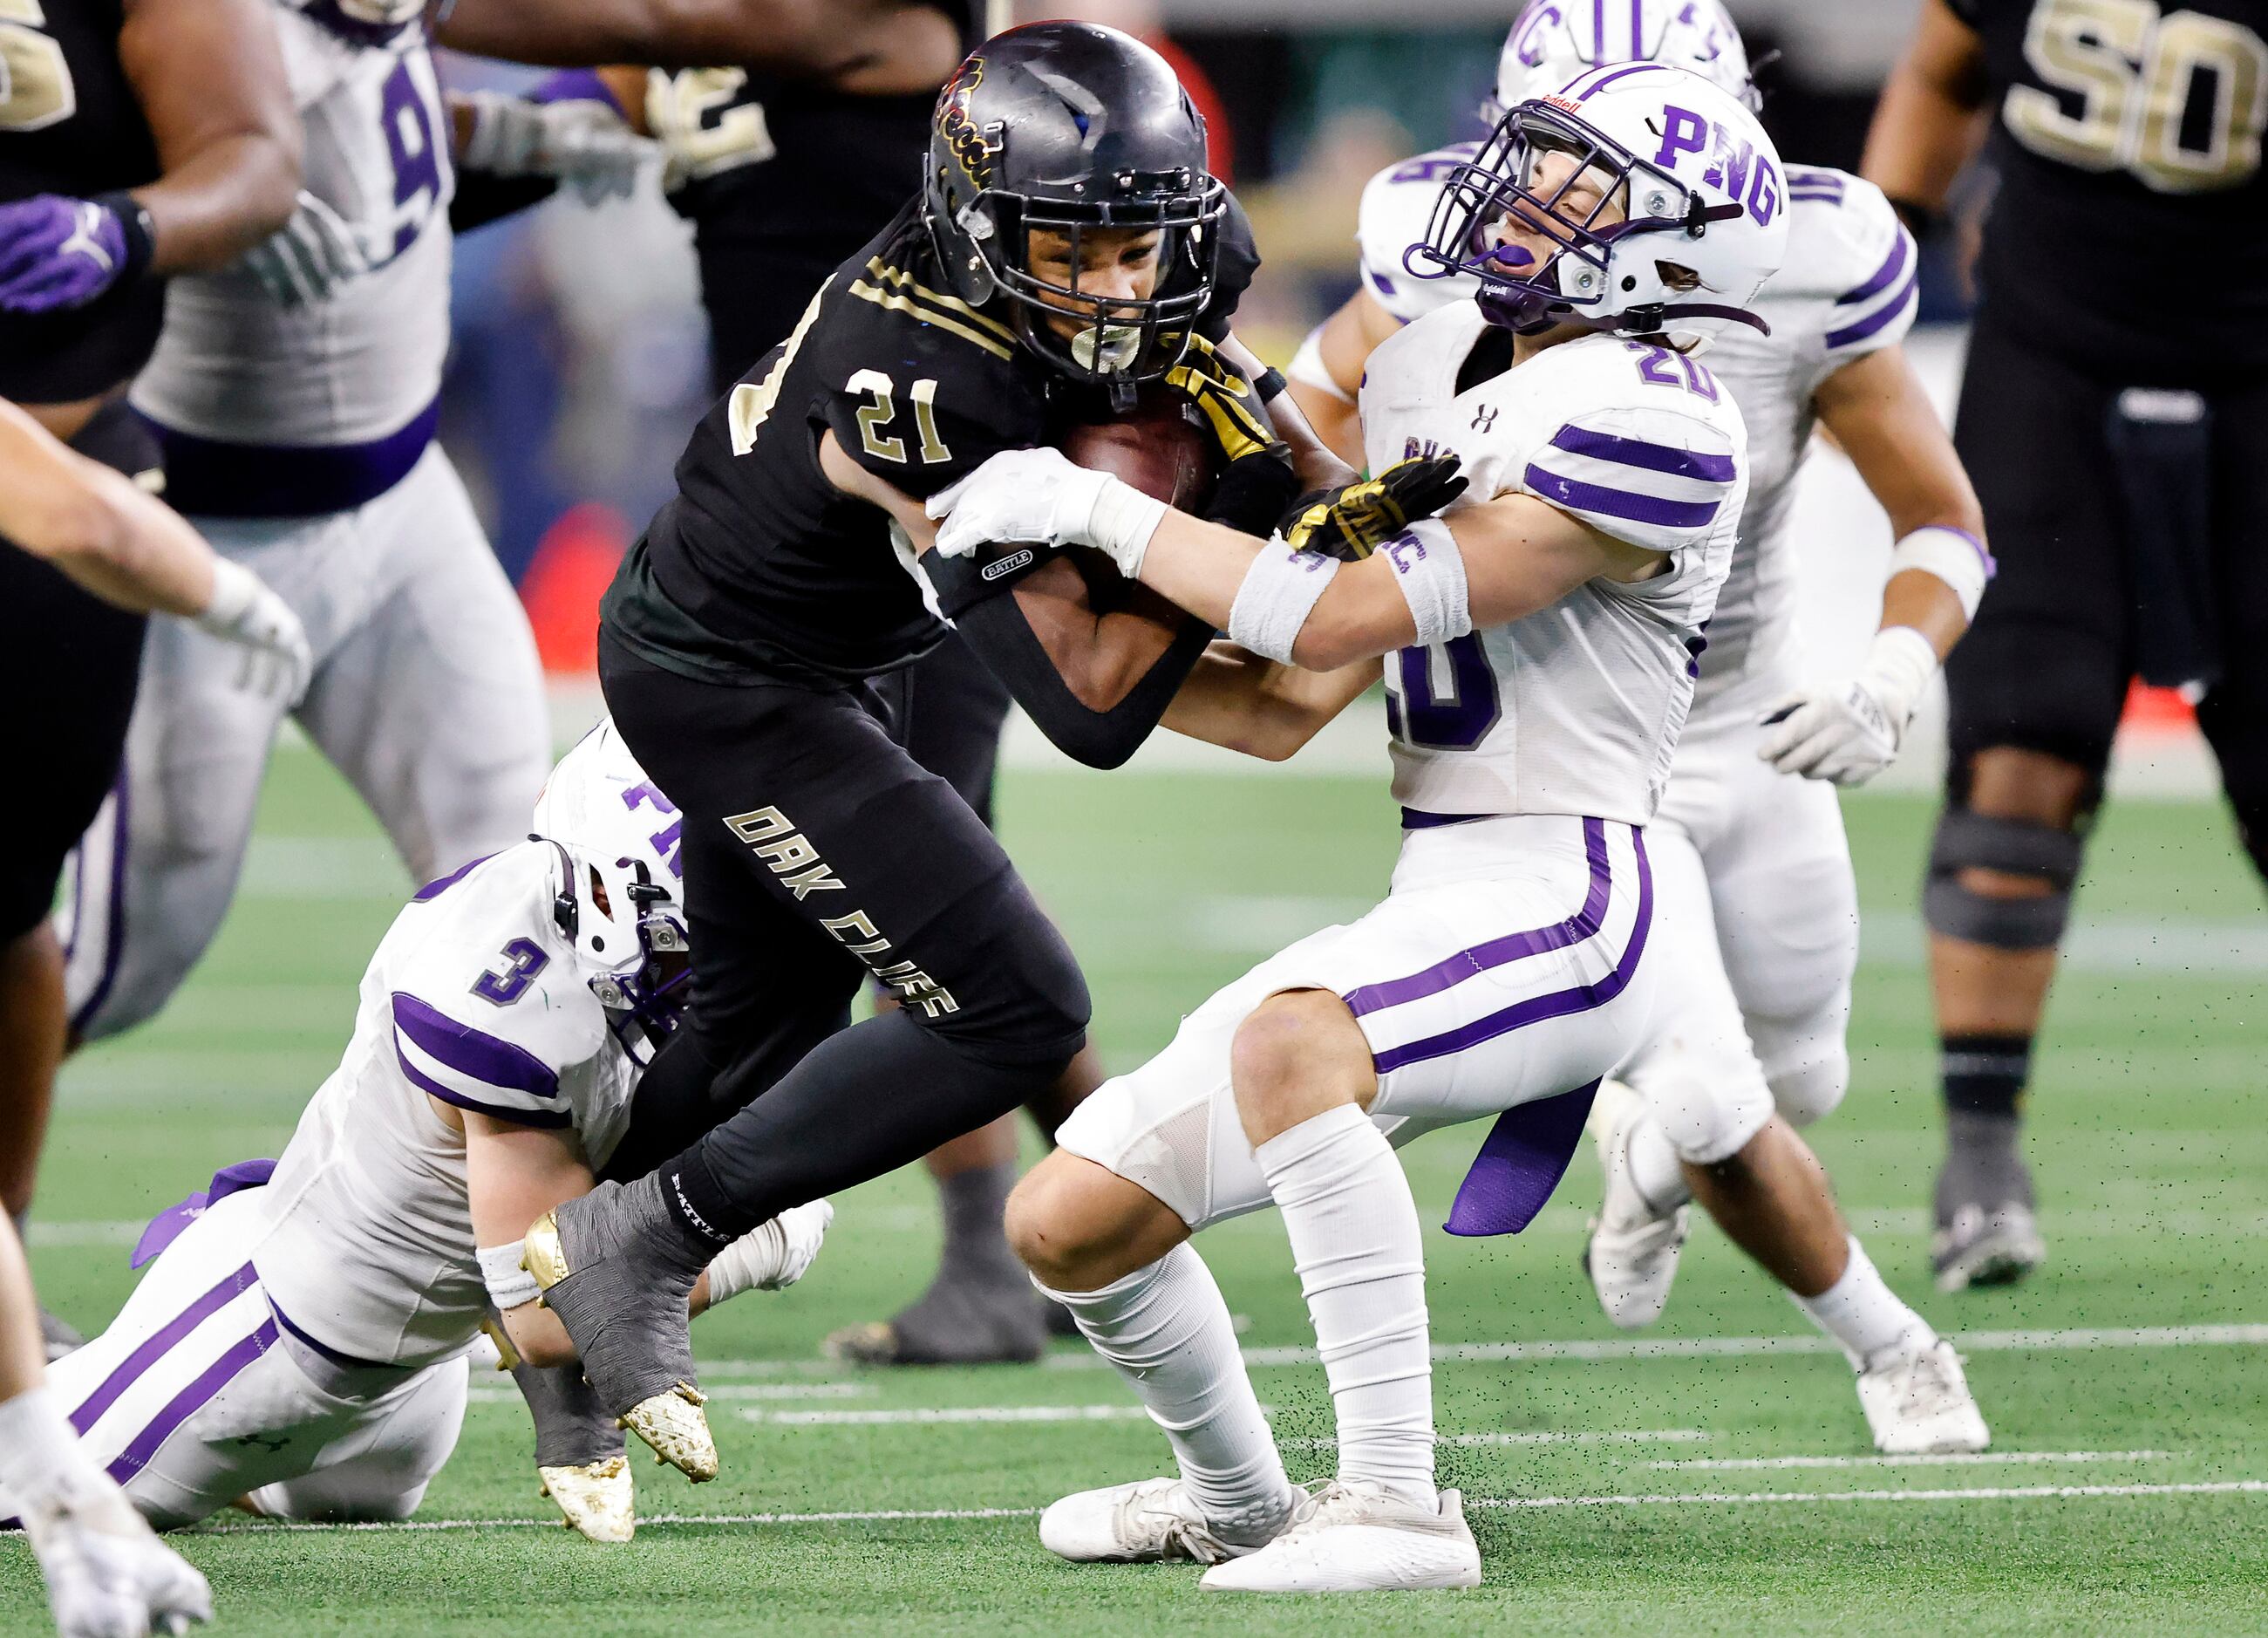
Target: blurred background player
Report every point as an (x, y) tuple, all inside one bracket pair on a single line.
[(2116, 439), (294, 396), (1760, 916), (137, 140), (106, 1573), (301, 1341)]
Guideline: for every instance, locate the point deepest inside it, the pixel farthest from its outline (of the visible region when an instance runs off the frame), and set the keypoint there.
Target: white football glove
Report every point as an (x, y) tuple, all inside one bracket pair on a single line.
[(773, 1255), (311, 255), (585, 145), (1039, 496), (245, 610), (1849, 732), (109, 1576)]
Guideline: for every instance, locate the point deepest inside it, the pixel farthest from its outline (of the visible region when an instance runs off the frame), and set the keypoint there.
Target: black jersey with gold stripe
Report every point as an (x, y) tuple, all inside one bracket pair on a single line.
[(759, 565), (70, 123), (2129, 234)]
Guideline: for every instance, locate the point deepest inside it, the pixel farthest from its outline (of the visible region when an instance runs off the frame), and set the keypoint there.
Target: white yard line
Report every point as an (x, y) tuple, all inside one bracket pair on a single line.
[(925, 1416), (1549, 1435), (504, 1393), (2025, 1492), (1760, 1464)]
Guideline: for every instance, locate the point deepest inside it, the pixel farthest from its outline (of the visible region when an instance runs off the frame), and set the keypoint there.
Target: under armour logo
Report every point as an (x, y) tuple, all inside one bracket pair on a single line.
[(87, 223), (1485, 418)]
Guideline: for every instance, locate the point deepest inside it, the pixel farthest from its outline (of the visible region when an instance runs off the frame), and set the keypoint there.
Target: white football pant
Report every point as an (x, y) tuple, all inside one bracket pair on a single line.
[(427, 695), (201, 1392), (1510, 961)]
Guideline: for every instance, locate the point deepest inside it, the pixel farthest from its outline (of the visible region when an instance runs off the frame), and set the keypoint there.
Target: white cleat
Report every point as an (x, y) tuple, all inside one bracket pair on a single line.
[(1359, 1538), (1631, 1254), (595, 1499), (1919, 1405), (1151, 1521)]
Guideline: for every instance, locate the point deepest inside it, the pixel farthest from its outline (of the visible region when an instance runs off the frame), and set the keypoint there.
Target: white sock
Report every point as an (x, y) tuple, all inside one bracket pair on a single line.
[(1168, 1329), (1353, 1228), (1866, 1316), (1655, 1169)]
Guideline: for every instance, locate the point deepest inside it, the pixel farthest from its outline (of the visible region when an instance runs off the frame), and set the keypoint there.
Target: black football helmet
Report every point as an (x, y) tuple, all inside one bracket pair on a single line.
[(1072, 127)]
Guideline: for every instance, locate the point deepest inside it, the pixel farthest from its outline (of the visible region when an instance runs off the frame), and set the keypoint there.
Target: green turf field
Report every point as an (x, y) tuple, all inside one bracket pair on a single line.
[(1713, 1477)]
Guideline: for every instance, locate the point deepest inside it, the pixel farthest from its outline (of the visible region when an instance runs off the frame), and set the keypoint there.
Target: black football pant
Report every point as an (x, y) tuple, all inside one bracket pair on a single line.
[(818, 852), (2118, 553), (70, 664)]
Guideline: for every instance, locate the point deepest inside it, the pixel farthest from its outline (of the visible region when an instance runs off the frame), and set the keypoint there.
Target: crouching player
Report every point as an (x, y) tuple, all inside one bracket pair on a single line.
[(1545, 631), (300, 1346)]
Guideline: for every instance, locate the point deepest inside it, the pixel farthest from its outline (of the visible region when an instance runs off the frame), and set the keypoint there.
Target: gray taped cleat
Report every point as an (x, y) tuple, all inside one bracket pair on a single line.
[(573, 1428), (56, 1338), (617, 1268), (1997, 1246), (964, 1319)]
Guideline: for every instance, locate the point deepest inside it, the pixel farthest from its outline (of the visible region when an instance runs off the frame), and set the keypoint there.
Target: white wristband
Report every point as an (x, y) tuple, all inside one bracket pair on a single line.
[(1121, 522), (1309, 368), (1430, 569), (509, 1284), (1901, 661), (1276, 596), (1953, 556), (234, 589)]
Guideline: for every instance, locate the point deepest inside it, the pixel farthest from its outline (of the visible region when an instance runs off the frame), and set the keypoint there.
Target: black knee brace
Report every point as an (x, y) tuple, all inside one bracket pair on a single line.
[(1967, 840)]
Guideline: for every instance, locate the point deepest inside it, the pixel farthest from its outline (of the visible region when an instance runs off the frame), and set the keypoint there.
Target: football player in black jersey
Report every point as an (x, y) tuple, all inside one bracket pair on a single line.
[(1067, 249), (2119, 439), (136, 139)]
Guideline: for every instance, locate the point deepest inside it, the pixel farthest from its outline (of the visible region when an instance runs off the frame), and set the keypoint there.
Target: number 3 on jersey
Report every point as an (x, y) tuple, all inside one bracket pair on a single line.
[(35, 82)]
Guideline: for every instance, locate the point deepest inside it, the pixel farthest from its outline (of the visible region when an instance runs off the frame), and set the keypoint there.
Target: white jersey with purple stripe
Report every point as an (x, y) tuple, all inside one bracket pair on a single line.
[(1576, 709), (474, 998), (359, 371), (1849, 287)]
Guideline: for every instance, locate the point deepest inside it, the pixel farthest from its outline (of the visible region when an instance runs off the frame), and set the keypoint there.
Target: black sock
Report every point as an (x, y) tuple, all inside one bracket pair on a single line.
[(1985, 1075), (975, 1203)]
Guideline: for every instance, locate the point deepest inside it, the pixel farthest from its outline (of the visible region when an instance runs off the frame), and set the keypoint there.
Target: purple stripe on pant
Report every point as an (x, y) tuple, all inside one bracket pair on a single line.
[(1559, 1004), (130, 1369), (1499, 952), (191, 1399)]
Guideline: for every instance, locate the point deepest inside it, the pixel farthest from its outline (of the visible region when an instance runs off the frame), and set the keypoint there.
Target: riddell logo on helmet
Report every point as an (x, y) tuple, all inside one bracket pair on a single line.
[(1572, 104), (959, 130)]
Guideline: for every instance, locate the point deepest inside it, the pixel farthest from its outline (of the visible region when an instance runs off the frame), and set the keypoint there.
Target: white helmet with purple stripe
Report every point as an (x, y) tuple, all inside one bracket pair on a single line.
[(1637, 198), (1554, 42), (621, 897)]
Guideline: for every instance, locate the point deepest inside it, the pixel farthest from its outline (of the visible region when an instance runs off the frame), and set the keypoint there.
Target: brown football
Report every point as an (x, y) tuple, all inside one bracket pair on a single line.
[(1159, 446)]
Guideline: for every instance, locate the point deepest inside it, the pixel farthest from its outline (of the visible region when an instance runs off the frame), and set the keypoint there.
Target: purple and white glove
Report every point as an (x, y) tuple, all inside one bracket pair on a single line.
[(57, 252)]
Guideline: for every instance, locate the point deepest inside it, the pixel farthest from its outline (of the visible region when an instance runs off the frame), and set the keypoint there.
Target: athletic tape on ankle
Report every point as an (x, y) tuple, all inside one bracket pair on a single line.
[(1277, 594), (509, 1284), (1430, 569)]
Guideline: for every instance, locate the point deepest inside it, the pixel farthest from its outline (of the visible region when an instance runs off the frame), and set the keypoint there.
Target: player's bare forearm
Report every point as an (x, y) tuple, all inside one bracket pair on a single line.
[(92, 524), (210, 77), (1931, 120), (1237, 700), (871, 46), (1879, 415), (1317, 464), (22, 1353), (513, 1175)]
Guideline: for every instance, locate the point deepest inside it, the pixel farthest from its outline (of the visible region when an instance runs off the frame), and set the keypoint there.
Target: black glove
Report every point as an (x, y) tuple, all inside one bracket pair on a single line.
[(1258, 482), (1355, 520)]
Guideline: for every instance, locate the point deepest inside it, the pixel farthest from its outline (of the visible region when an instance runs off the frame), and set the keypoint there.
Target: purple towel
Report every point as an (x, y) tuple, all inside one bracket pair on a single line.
[(1525, 1156), (166, 1226)]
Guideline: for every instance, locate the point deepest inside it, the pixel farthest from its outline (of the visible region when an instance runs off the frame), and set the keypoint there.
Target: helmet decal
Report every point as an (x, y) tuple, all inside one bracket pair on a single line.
[(958, 131)]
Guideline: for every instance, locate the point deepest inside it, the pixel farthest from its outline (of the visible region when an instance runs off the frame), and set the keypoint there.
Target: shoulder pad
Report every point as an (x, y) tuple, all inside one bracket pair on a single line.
[(1847, 248)]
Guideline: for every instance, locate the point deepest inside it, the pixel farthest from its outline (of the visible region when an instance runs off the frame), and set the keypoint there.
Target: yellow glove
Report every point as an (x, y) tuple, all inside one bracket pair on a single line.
[(1355, 520), (1230, 402)]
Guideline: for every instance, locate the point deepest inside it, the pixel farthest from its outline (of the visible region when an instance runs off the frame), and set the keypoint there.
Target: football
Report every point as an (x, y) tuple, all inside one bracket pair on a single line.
[(1159, 446)]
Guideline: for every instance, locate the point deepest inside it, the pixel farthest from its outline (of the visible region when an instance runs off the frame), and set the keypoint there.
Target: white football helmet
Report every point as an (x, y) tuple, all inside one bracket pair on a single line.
[(620, 896), (1554, 42), (1691, 216)]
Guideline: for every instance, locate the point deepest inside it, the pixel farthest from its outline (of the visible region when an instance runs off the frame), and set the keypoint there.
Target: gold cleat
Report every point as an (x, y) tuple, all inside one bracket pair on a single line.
[(595, 1498), (541, 1254), (677, 1429)]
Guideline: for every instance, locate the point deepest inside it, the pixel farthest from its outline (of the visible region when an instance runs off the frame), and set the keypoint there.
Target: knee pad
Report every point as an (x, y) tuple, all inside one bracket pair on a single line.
[(1811, 1084), (1709, 1107), (1968, 840)]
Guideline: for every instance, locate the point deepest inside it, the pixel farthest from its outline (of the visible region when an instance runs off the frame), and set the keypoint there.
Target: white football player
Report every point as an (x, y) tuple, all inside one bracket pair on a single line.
[(1760, 913), (301, 1344), (1540, 634), (295, 395)]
